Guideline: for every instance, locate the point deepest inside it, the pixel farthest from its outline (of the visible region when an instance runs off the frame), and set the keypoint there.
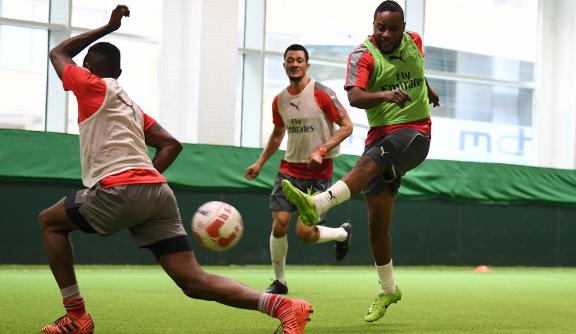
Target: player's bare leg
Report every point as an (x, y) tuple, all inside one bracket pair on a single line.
[(359, 177), (379, 220), (183, 268), (55, 227)]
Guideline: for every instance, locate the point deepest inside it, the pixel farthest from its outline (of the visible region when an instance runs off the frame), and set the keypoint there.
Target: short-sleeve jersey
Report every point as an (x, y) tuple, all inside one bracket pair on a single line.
[(389, 72), (309, 118), (112, 145)]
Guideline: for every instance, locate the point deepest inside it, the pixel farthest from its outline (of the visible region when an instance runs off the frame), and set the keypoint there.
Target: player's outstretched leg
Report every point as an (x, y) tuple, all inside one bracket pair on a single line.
[(183, 268), (380, 305), (304, 203)]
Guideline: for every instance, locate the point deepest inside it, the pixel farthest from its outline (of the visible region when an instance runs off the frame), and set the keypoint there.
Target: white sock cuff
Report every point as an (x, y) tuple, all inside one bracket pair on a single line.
[(386, 277), (70, 291), (341, 188)]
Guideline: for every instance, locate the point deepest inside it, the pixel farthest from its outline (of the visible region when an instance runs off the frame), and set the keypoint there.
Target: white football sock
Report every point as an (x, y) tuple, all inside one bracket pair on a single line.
[(331, 234), (386, 278), (336, 194), (278, 252), (69, 292)]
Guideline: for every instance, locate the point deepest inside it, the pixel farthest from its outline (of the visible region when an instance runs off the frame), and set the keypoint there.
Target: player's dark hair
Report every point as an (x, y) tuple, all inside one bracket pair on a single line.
[(110, 52), (389, 6), (296, 47)]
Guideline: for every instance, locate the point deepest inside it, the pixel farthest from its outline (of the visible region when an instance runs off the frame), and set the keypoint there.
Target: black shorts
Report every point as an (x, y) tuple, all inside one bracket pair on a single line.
[(396, 154)]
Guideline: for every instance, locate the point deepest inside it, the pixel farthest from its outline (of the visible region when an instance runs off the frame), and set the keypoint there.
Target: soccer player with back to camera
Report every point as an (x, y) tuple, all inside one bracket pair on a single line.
[(125, 190), (308, 111), (386, 78)]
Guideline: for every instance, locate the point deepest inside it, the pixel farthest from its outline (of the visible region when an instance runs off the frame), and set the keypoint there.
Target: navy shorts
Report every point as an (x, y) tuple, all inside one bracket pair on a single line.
[(396, 154)]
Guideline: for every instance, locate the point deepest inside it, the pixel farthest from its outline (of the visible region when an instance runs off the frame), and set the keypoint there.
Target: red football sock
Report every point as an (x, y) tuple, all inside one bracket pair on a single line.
[(75, 307), (273, 305)]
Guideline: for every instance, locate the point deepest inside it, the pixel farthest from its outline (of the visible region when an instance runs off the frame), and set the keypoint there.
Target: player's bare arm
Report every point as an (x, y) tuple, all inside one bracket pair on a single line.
[(363, 99), (167, 147), (342, 133), (63, 53), (432, 95), (271, 147)]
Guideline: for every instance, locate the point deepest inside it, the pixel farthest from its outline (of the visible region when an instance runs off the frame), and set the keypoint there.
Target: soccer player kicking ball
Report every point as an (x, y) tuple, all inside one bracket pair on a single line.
[(126, 190), (386, 78)]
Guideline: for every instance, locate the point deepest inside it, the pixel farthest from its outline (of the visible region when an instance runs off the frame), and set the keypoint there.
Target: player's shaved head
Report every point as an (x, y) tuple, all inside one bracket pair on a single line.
[(103, 59), (389, 6)]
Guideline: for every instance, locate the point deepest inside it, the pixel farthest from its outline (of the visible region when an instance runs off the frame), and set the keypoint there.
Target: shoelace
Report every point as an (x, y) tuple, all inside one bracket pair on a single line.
[(63, 324)]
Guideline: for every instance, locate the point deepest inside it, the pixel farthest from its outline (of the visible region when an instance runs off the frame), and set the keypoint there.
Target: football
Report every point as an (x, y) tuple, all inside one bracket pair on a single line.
[(217, 226)]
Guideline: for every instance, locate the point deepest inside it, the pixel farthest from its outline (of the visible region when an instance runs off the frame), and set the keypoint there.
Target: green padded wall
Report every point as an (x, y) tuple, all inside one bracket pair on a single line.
[(425, 232), (448, 213)]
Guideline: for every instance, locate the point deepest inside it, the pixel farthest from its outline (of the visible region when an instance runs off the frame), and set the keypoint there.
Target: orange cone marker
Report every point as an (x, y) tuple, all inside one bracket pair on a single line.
[(482, 269)]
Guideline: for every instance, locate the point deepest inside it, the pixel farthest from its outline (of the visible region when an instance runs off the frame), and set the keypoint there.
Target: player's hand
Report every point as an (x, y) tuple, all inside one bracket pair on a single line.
[(315, 159), (253, 171), (397, 96), (433, 97), (116, 17)]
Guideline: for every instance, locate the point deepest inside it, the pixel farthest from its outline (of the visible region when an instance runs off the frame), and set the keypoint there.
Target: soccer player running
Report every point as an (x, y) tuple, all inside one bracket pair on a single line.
[(125, 190), (386, 78), (308, 111)]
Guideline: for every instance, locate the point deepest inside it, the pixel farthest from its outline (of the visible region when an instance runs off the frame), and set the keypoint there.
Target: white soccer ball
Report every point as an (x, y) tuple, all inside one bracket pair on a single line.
[(217, 226)]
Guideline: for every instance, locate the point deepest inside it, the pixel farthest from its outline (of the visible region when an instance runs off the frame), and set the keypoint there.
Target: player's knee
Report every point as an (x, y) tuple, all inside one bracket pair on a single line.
[(368, 165), (44, 220), (279, 229), (306, 234), (194, 288)]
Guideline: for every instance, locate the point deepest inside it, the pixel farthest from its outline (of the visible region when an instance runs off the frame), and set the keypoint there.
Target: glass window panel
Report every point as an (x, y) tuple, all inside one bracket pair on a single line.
[(477, 65), (241, 22), (32, 10), (483, 102), (333, 27), (139, 77), (465, 27), (23, 63), (145, 16)]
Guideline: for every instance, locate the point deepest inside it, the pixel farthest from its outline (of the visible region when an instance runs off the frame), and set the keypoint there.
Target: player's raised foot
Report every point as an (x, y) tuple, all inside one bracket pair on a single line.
[(67, 324), (294, 319), (342, 247), (380, 305), (303, 202), (278, 288)]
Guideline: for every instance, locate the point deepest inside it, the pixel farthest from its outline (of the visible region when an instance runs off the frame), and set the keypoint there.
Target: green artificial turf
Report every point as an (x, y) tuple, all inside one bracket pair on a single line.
[(142, 299)]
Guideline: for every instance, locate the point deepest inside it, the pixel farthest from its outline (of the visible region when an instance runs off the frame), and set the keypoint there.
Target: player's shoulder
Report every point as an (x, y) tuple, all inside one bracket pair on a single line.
[(359, 51), (360, 54), (72, 70), (415, 36), (320, 88)]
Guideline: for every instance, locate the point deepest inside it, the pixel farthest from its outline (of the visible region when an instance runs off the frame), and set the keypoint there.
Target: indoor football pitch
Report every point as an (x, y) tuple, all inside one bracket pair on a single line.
[(142, 299)]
